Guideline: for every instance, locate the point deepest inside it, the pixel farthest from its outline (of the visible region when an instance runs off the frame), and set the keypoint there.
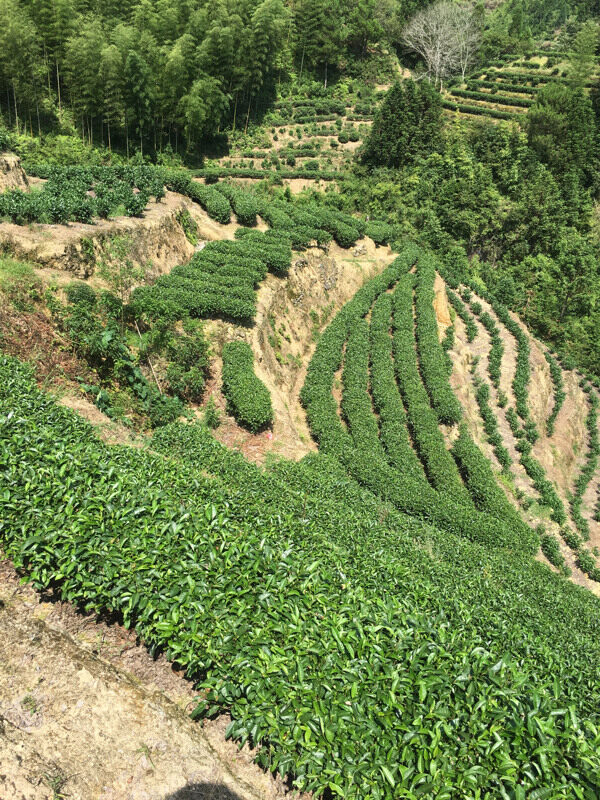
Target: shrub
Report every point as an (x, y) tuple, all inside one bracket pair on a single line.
[(81, 294), (247, 397), (431, 356)]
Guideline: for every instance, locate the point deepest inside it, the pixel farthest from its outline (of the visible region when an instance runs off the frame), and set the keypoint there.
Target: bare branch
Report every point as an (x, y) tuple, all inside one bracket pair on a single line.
[(446, 36)]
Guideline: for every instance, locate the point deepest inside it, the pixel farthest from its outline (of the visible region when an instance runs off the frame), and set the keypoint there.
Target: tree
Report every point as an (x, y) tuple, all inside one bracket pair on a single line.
[(138, 92), (19, 52), (318, 26), (407, 125), (363, 24), (562, 131), (583, 55), (446, 36), (111, 67), (82, 62), (118, 269), (468, 25), (203, 108)]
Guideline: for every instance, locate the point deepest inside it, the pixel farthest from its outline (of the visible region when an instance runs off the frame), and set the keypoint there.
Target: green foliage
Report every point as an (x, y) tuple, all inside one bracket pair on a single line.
[(432, 361), (387, 400), (428, 439), (220, 280), (80, 293), (490, 425), (407, 494), (496, 349), (66, 194), (561, 130), (189, 225), (490, 97), (19, 284), (589, 468), (212, 417), (485, 111), (248, 398), (323, 545), (462, 312), (244, 204), (559, 392), (188, 367), (481, 482), (551, 549), (406, 126)]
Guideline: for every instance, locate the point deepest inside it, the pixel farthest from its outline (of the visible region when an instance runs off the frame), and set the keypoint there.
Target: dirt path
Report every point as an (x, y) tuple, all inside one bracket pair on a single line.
[(481, 347), (87, 714), (461, 380)]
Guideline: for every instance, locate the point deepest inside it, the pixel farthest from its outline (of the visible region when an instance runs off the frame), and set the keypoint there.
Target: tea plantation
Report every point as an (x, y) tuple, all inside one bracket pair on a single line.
[(367, 653)]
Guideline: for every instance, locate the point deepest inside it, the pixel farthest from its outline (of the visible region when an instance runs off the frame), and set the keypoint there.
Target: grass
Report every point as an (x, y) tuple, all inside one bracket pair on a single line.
[(19, 283)]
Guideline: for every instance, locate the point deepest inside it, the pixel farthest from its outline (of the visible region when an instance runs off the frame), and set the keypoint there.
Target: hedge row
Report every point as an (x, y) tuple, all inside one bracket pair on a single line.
[(274, 248), (559, 391), (310, 107), (590, 467), (213, 202), (214, 174), (244, 204), (80, 194), (462, 312), (407, 494), (523, 77), (266, 587), (534, 469), (307, 119), (356, 406), (431, 357), (381, 232), (517, 88), (387, 400), (220, 280), (519, 102), (485, 111), (307, 222), (423, 420), (248, 398), (490, 424), (520, 383), (481, 482), (496, 349), (551, 549)]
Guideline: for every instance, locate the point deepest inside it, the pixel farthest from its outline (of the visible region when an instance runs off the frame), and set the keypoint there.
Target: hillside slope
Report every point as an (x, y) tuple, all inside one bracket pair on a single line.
[(522, 439)]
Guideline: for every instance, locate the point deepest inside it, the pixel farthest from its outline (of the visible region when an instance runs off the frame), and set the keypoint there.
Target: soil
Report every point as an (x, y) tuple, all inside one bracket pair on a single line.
[(87, 714), (561, 455), (12, 175), (32, 336), (157, 237)]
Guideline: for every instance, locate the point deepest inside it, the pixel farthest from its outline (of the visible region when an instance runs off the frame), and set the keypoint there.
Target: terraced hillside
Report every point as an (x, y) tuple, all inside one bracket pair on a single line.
[(343, 608), (303, 138), (450, 410), (506, 89), (414, 576)]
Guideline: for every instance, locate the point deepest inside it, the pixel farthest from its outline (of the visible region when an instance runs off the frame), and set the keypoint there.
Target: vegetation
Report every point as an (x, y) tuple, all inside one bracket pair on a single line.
[(218, 559), (372, 617), (590, 466), (248, 398)]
